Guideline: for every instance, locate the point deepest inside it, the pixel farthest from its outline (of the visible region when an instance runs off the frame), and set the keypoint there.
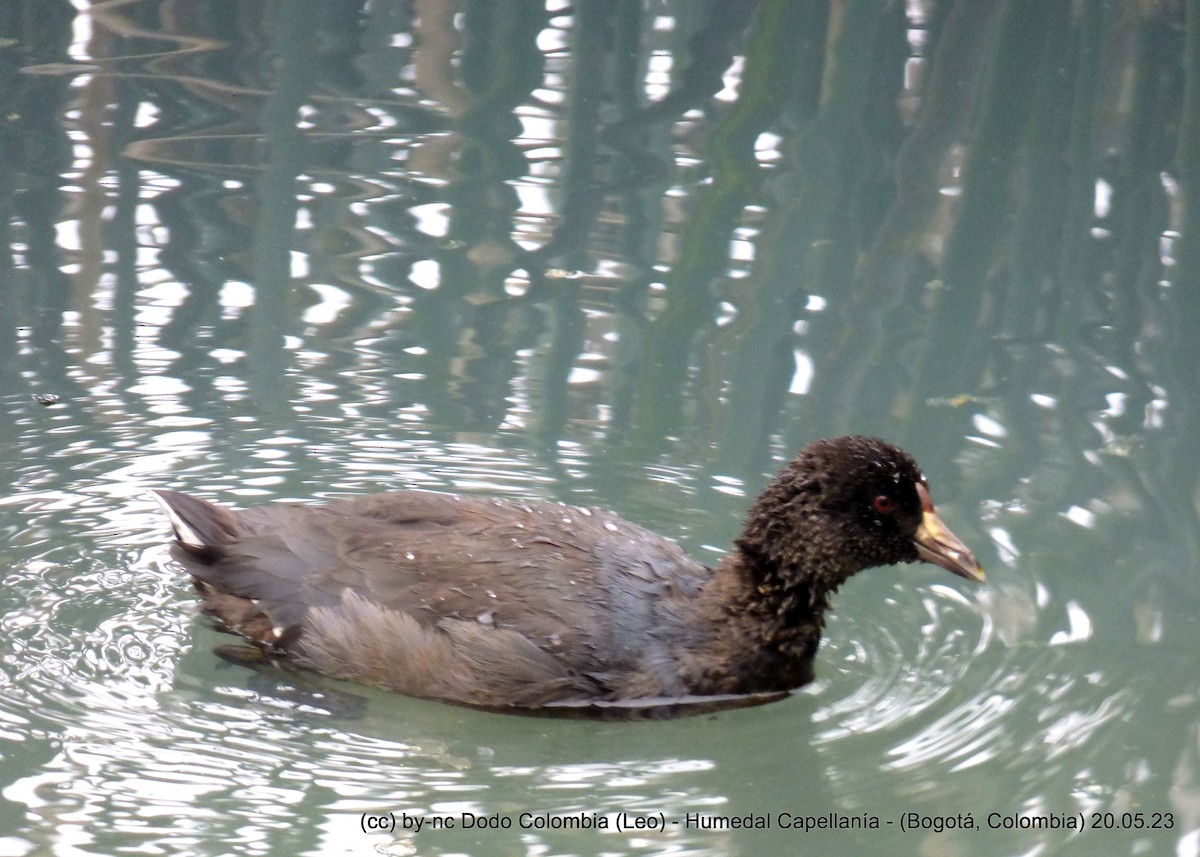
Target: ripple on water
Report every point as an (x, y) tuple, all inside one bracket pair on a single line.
[(948, 685)]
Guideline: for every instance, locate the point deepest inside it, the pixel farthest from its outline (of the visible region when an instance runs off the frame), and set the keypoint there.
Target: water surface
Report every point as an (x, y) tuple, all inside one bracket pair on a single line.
[(626, 255)]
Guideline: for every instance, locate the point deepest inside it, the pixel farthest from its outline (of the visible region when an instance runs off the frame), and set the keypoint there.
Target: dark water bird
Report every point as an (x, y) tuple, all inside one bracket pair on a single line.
[(528, 606)]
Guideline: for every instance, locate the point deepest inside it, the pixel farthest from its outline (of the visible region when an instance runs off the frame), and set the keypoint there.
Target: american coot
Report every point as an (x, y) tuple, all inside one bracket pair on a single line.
[(523, 605)]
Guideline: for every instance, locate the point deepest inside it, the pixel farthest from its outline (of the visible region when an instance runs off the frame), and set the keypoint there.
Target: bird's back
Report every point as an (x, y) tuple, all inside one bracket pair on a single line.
[(481, 601)]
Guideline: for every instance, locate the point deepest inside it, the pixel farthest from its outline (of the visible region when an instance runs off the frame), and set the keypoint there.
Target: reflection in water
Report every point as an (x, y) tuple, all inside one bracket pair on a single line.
[(621, 255)]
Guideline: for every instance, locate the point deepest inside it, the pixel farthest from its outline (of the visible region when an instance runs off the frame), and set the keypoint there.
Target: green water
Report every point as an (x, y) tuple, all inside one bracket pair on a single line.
[(616, 254)]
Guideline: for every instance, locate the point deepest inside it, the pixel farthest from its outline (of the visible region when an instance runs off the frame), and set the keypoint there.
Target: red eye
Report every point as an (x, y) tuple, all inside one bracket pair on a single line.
[(884, 504)]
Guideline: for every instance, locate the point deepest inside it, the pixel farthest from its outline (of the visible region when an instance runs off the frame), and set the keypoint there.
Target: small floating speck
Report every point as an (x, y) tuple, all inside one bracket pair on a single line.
[(960, 401), (609, 525), (61, 69), (410, 555), (490, 593)]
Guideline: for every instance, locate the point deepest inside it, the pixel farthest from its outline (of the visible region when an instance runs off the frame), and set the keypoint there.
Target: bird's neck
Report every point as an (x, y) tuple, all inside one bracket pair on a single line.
[(774, 617), (785, 593)]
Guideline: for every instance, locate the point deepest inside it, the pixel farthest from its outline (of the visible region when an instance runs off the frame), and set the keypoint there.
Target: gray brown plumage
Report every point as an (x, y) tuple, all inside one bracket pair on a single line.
[(514, 605)]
